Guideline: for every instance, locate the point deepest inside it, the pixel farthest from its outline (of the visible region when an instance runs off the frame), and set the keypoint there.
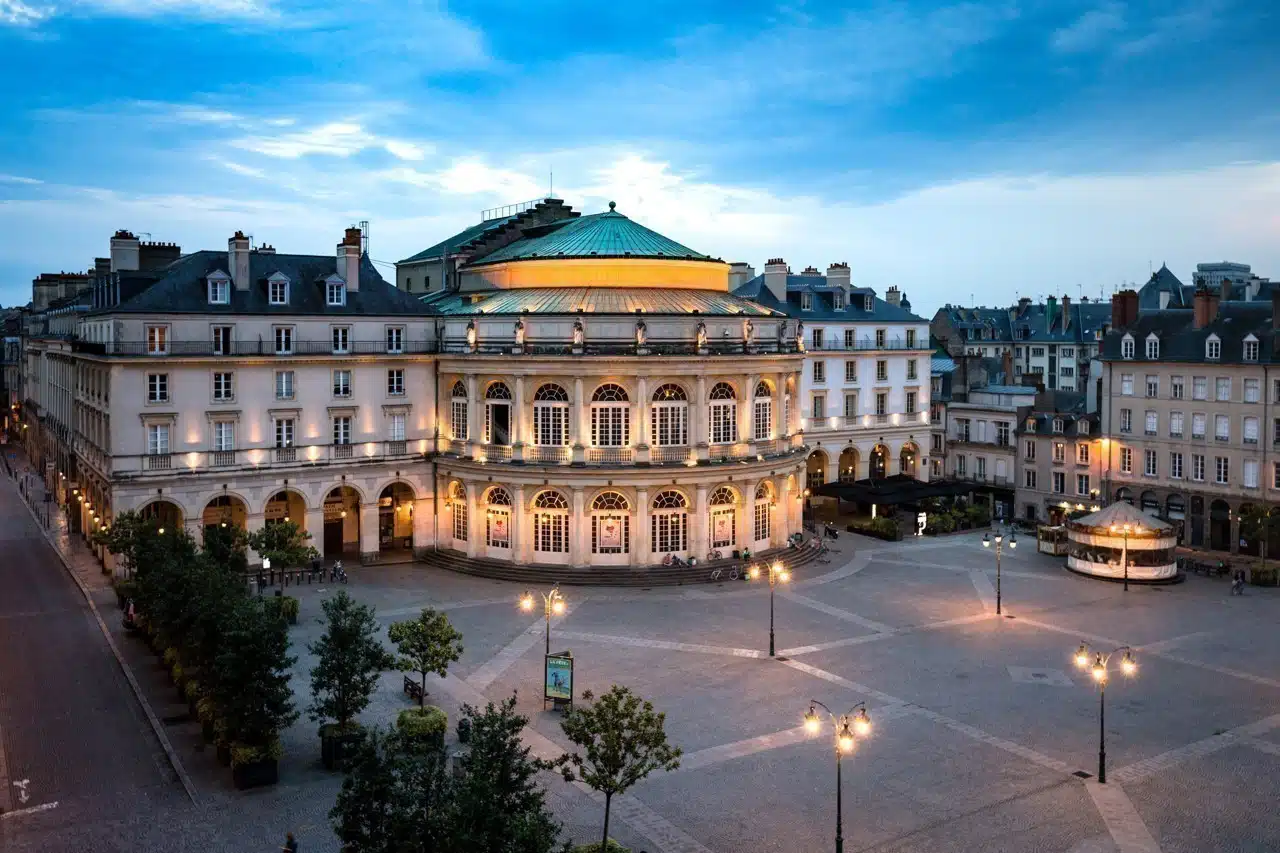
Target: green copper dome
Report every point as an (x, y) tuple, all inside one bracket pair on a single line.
[(601, 235)]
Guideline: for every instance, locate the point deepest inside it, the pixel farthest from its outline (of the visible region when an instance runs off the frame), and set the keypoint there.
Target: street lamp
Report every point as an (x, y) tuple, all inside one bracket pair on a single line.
[(1126, 529), (552, 602), (847, 728), (1097, 664), (778, 573), (999, 540)]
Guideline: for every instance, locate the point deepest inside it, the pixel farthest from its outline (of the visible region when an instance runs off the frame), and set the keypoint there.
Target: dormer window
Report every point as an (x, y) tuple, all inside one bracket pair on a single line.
[(1251, 348), (806, 302), (1153, 348), (219, 289), (278, 290), (1031, 424), (1213, 348), (1126, 347), (1057, 425), (837, 301), (335, 291), (868, 302), (1082, 427)]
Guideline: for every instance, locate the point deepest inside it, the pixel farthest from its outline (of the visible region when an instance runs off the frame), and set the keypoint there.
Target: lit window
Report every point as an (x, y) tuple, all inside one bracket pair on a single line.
[(157, 340), (395, 382), (336, 292)]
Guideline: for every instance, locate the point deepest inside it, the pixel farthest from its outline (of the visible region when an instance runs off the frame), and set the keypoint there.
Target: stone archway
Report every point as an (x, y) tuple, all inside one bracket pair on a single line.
[(816, 469), (908, 459), (1220, 525), (166, 515), (879, 462), (286, 505), (341, 522), (226, 511), (395, 518), (848, 467)]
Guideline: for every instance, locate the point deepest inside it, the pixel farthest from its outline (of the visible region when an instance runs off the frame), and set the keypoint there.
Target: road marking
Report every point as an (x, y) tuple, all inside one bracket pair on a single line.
[(1140, 770), (445, 605), (1267, 746), (822, 607), (498, 664), (857, 564), (740, 749), (645, 643), (986, 592), (833, 644), (43, 807), (1121, 818), (1165, 645), (844, 682)]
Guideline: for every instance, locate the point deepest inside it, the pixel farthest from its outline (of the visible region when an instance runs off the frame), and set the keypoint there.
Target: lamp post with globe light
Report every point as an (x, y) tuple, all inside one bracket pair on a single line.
[(778, 573), (552, 602), (847, 728), (1098, 665), (987, 539)]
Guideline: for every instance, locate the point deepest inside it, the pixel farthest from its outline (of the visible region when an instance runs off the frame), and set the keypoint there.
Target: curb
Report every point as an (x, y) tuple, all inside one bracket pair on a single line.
[(124, 666)]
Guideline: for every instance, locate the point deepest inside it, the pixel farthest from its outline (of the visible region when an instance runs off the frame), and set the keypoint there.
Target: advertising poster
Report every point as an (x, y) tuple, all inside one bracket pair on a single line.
[(559, 677), (500, 522), (722, 527), (610, 533)]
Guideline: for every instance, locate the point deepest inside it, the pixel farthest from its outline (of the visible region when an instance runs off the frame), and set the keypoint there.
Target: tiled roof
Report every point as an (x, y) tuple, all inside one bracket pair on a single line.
[(183, 288), (822, 306), (601, 235), (1032, 322), (462, 238), (1180, 342), (941, 364), (1164, 281), (600, 300)]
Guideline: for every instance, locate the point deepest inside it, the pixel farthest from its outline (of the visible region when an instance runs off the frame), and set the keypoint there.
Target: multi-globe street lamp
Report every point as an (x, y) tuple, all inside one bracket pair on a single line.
[(987, 538), (778, 573), (552, 602), (1125, 530), (847, 728), (1098, 665)]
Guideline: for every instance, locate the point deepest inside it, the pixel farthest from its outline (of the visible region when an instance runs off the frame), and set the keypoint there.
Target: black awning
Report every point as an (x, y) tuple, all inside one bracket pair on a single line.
[(898, 489)]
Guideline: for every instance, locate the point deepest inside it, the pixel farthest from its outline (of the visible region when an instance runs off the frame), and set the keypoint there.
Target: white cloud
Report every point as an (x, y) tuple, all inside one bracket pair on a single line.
[(1090, 30), (335, 139), (405, 150), (19, 14), (19, 179), (213, 9), (204, 114)]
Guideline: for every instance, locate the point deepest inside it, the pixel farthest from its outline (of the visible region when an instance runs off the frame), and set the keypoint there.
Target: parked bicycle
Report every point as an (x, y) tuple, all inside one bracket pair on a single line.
[(732, 573), (714, 554)]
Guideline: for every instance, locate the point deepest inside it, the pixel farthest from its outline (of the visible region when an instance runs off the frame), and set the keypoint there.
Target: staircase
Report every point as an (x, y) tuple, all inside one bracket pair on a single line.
[(645, 576)]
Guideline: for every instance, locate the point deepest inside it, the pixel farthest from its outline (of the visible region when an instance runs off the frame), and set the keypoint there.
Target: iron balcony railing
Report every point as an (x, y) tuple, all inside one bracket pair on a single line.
[(863, 344), (489, 346), (266, 346)]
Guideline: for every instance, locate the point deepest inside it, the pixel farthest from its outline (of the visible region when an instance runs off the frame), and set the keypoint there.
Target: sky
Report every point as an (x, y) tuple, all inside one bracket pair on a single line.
[(967, 152)]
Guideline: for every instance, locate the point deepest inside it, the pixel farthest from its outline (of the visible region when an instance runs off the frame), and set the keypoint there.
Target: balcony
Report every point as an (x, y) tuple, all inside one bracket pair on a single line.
[(286, 454), (547, 454), (159, 461), (766, 446), (652, 347), (609, 455), (677, 453), (494, 453), (341, 451), (398, 447), (178, 349), (222, 458)]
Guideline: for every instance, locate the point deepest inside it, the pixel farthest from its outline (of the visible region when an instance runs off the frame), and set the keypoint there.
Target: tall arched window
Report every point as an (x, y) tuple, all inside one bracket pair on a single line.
[(763, 526), (610, 417), (723, 422), (550, 523), (551, 416), (497, 414), (763, 412), (670, 523), (724, 517), (497, 518), (670, 416), (458, 505), (610, 524), (458, 413)]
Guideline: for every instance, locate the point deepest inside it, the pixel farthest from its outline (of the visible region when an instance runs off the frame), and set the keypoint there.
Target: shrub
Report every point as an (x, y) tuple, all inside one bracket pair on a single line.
[(206, 710), (126, 588), (177, 673), (427, 723), (941, 522), (241, 754), (170, 657), (284, 606), (979, 516), (192, 690), (594, 847)]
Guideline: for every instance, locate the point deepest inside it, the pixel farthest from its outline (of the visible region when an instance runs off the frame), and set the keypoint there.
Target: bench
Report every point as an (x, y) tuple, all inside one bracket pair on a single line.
[(413, 689)]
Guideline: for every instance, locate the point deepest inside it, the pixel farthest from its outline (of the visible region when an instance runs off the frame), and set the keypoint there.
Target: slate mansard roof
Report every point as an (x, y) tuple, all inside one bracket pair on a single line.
[(1181, 342), (1034, 323), (823, 307), (182, 288)]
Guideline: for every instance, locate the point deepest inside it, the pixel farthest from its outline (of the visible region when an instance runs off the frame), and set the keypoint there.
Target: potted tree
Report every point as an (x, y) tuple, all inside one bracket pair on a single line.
[(427, 644), (349, 659), (285, 543)]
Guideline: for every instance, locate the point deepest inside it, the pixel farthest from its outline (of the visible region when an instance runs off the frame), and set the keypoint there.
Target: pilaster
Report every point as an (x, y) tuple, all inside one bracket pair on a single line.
[(369, 533)]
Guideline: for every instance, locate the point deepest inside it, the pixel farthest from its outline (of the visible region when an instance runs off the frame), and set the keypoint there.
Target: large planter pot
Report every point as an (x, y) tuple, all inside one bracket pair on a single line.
[(336, 748), (255, 774), (224, 754)]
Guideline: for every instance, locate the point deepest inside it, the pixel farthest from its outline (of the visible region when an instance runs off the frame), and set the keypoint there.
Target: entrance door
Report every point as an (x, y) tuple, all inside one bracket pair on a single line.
[(333, 538)]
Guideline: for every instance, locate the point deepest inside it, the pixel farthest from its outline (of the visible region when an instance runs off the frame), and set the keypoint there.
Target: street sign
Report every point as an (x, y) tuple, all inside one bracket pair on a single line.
[(558, 684)]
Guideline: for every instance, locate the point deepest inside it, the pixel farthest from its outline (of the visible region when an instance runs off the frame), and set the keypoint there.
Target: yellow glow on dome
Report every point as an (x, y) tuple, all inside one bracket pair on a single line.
[(601, 272)]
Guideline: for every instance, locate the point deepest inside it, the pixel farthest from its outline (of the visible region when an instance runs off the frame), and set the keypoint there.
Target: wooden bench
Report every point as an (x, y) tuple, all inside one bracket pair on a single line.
[(413, 689)]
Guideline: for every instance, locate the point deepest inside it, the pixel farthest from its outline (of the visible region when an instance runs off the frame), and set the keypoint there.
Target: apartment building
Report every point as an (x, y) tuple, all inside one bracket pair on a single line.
[(1060, 457), (1189, 398), (941, 376), (865, 387), (980, 442)]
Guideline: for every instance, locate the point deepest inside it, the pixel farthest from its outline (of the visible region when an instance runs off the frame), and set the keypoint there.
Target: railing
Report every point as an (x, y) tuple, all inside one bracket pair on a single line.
[(882, 419), (286, 454), (860, 344), (766, 446), (159, 461), (456, 446), (507, 346), (222, 458), (669, 453), (608, 455), (258, 347), (496, 452), (397, 448), (342, 451), (546, 454), (730, 451)]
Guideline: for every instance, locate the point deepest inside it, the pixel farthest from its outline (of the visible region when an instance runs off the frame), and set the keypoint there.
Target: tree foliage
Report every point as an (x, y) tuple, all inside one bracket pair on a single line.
[(285, 543), (251, 676), (426, 644), (350, 657), (225, 547), (625, 740), (1259, 522)]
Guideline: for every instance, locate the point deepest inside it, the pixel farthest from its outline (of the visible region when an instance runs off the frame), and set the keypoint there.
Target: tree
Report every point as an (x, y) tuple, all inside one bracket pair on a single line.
[(286, 544), (225, 546), (123, 536), (350, 659), (426, 644), (1259, 522), (251, 677), (625, 740)]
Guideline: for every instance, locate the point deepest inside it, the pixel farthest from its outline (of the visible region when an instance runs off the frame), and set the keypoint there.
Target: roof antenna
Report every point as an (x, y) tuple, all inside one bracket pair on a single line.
[(551, 186), (364, 235)]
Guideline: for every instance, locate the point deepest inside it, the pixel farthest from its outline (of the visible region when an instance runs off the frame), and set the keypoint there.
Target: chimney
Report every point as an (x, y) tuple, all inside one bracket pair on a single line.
[(839, 274), (349, 259), (810, 270), (1204, 308), (1050, 309), (102, 267), (1124, 308), (775, 278), (893, 296), (124, 251), (266, 249), (1006, 363), (739, 274), (1066, 313), (154, 256), (1226, 289), (238, 260)]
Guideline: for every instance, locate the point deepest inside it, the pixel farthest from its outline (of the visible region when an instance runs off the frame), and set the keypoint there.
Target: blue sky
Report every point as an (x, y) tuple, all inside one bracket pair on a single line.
[(988, 148)]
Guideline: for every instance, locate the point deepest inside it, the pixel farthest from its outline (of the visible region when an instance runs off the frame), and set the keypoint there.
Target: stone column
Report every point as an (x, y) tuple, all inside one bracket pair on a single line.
[(639, 421), (433, 414), (369, 545), (254, 521), (422, 525), (195, 526), (314, 521), (747, 528), (475, 525), (746, 408), (578, 545), (640, 529), (518, 423), (778, 514), (779, 405), (473, 415), (580, 426), (699, 541), (698, 421), (521, 538)]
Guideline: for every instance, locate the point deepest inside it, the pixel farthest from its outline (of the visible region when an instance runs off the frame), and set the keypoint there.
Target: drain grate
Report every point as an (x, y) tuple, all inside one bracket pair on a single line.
[(781, 658), (1007, 616), (1082, 774)]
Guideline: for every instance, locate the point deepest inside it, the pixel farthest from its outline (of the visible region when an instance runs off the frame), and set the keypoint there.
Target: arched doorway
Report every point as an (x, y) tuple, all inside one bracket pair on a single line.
[(1150, 503), (550, 527), (459, 515), (166, 515), (724, 519), (762, 520), (286, 506), (1197, 521), (341, 522), (1175, 510), (816, 469), (1220, 526), (610, 528), (879, 462), (497, 523), (848, 467), (226, 511), (395, 518), (908, 459), (669, 521), (1251, 545), (1124, 494)]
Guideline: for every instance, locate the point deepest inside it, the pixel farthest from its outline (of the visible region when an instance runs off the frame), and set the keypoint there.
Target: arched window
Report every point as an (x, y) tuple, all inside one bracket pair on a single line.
[(458, 505), (610, 524), (1153, 347), (763, 527), (610, 417), (550, 523), (723, 423), (458, 413), (498, 391), (762, 414), (724, 517), (670, 416), (497, 414), (1126, 347), (497, 518), (670, 523), (551, 415), (1213, 348)]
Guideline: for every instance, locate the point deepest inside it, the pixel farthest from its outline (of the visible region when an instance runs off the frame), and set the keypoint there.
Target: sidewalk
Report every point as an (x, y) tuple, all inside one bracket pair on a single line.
[(47, 512)]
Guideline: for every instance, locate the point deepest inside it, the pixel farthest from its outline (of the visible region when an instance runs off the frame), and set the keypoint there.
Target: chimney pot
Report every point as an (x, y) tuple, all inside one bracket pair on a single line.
[(775, 278), (238, 260), (349, 259)]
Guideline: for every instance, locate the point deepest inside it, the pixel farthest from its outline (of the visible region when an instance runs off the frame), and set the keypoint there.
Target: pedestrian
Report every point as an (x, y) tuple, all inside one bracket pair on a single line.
[(1237, 582), (290, 843)]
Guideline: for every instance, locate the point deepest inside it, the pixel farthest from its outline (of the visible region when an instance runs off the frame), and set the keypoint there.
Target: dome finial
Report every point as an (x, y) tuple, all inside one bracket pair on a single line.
[(612, 205)]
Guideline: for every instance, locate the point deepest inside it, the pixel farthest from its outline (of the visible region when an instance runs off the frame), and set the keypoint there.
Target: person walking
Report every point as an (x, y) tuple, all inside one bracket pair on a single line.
[(290, 843)]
